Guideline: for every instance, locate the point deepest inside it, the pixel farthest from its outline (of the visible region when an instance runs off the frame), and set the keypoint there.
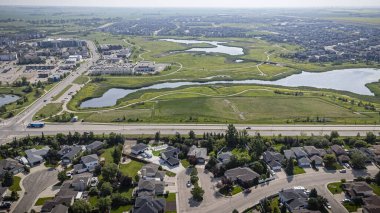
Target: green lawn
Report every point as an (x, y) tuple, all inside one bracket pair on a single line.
[(274, 203), (170, 174), (81, 79), (185, 163), (107, 155), (50, 109), (16, 184), (122, 209), (41, 201), (171, 197), (335, 188), (131, 168), (350, 206), (156, 153), (236, 190), (298, 170), (376, 188), (335, 166)]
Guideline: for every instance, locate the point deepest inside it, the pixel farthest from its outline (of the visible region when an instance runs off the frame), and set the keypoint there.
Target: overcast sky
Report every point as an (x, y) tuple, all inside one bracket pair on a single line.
[(198, 3)]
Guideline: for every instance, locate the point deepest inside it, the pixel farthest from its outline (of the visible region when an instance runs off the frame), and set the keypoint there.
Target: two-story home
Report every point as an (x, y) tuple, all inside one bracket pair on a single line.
[(170, 156), (87, 163)]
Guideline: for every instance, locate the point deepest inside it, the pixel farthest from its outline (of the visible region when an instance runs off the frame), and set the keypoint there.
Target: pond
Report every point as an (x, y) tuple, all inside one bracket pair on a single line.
[(7, 99), (351, 80), (218, 47)]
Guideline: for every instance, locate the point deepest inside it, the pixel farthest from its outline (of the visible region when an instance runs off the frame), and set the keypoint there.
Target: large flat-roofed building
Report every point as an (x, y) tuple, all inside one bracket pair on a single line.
[(126, 69), (60, 43), (145, 67), (8, 56)]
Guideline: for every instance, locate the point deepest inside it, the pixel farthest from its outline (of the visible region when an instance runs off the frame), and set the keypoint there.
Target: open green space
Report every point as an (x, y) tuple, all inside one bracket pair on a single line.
[(81, 79), (350, 206), (62, 92), (376, 188), (185, 163), (41, 201), (298, 170), (107, 155), (335, 188), (131, 168), (16, 184), (47, 111)]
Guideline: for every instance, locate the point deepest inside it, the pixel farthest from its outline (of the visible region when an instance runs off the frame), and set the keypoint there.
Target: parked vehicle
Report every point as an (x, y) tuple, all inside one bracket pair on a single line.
[(36, 125), (246, 191), (188, 184), (342, 171), (5, 205)]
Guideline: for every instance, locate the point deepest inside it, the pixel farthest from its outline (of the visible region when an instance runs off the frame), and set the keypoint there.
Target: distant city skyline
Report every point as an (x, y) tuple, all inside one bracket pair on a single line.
[(197, 3)]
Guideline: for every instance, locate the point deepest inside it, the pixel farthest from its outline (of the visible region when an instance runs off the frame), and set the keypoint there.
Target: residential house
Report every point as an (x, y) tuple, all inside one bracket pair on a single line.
[(138, 148), (317, 159), (357, 190), (80, 183), (87, 163), (304, 162), (343, 159), (36, 156), (65, 196), (242, 175), (371, 204), (69, 153), (311, 151), (224, 157), (170, 156), (10, 165), (338, 150), (322, 152), (273, 159), (150, 187), (94, 146), (198, 155), (294, 199), (289, 154), (60, 209), (148, 204), (298, 152), (151, 172)]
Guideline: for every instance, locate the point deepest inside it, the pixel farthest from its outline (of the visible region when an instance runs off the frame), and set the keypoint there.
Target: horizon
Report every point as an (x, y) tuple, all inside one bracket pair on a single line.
[(206, 4)]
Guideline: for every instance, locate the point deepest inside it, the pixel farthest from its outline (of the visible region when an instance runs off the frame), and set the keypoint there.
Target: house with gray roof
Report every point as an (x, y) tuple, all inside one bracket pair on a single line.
[(87, 163), (150, 171), (273, 159), (242, 175), (170, 156), (148, 204), (317, 159), (10, 165), (36, 156), (94, 146), (60, 209), (198, 155), (151, 187), (311, 151), (338, 150), (293, 199), (304, 162), (289, 154), (298, 152), (138, 148), (69, 153), (224, 157)]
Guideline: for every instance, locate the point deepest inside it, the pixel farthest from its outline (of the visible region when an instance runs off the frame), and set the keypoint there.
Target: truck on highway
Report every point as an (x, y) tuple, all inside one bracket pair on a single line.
[(36, 125)]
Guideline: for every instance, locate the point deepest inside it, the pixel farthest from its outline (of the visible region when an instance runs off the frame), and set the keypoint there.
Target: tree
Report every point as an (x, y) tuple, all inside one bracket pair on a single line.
[(231, 136), (62, 176), (313, 193), (377, 178), (289, 169), (116, 154), (8, 179), (257, 167), (93, 191), (109, 172), (358, 160), (370, 138), (197, 193), (80, 206), (14, 195), (329, 160), (283, 209), (106, 189), (334, 134), (194, 179), (157, 137), (125, 181), (119, 200), (192, 134), (104, 204)]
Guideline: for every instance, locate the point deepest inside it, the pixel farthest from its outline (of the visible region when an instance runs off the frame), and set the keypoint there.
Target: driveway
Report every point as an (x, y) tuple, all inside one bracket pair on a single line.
[(34, 184)]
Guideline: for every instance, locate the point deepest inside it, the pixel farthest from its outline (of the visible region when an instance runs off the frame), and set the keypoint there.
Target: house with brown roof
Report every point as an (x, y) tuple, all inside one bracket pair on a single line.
[(357, 190), (371, 204), (338, 150)]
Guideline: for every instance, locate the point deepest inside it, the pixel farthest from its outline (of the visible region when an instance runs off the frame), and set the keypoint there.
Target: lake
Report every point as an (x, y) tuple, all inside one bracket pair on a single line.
[(351, 80), (7, 99), (219, 47)]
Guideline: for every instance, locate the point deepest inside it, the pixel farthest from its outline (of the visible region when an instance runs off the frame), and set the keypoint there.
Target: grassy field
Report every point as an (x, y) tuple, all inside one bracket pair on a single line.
[(50, 109), (16, 184), (376, 188), (41, 201), (350, 206), (131, 168), (62, 92), (185, 163), (335, 188), (107, 155), (298, 170)]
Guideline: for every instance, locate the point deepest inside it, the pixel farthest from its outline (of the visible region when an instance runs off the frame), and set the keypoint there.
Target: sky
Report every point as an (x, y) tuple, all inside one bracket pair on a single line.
[(197, 3)]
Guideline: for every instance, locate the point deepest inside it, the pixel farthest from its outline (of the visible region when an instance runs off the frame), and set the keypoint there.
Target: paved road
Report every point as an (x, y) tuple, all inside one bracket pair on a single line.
[(139, 129), (34, 184), (242, 201)]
